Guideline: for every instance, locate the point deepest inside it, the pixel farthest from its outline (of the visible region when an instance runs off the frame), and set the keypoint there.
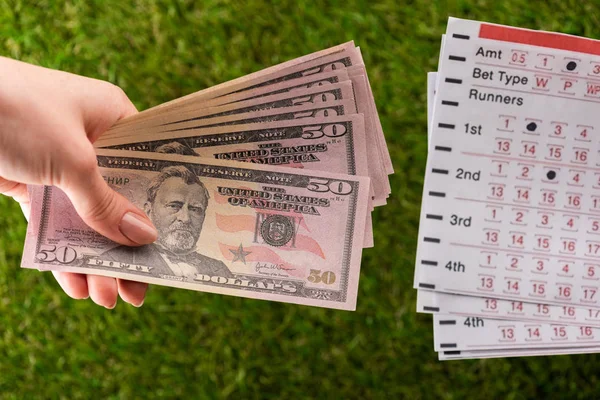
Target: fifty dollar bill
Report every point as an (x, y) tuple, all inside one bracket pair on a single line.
[(231, 228)]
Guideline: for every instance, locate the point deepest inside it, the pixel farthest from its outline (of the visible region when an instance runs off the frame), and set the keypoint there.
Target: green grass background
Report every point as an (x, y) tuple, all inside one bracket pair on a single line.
[(184, 344)]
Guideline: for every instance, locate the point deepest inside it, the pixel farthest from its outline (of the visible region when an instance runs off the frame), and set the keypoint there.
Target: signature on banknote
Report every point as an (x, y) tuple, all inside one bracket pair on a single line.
[(271, 269)]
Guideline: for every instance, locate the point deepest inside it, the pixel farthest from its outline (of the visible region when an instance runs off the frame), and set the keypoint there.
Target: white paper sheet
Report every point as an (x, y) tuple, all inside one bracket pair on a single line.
[(474, 333), (517, 192), (465, 355), (485, 307)]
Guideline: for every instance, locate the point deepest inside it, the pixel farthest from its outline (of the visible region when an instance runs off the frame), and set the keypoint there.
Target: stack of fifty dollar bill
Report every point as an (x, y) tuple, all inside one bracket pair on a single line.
[(260, 187)]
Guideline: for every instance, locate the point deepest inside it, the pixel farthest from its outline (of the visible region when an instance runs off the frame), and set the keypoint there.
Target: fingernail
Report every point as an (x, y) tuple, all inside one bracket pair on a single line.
[(136, 229), (138, 305), (111, 307)]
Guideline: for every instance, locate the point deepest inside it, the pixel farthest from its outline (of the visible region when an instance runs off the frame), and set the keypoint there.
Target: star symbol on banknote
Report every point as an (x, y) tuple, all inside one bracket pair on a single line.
[(240, 254)]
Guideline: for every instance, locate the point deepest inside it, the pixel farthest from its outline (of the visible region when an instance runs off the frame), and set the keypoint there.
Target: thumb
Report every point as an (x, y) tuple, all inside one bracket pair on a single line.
[(108, 212)]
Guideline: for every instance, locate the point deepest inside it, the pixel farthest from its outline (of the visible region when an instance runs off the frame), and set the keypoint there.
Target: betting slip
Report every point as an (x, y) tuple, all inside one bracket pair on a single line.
[(510, 223)]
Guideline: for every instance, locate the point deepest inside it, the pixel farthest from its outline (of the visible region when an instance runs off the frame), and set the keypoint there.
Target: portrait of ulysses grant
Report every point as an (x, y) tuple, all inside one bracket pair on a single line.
[(176, 203)]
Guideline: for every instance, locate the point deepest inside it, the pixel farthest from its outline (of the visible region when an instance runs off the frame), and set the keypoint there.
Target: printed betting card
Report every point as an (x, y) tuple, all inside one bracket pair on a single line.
[(511, 202)]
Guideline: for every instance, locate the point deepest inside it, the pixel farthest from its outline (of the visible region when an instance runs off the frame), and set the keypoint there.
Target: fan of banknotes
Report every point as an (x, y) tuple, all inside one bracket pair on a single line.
[(260, 187), (509, 248)]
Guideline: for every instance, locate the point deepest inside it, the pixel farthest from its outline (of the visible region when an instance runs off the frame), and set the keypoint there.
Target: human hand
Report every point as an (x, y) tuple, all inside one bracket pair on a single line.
[(48, 122)]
